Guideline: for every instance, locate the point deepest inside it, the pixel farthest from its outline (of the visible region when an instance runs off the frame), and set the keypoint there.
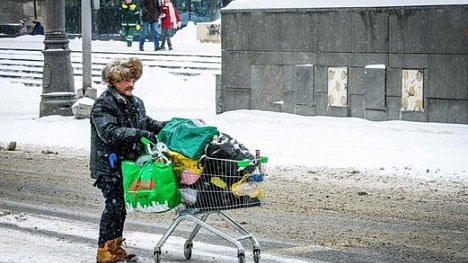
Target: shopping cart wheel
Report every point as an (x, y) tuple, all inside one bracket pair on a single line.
[(157, 256), (256, 255), (188, 250), (241, 257)]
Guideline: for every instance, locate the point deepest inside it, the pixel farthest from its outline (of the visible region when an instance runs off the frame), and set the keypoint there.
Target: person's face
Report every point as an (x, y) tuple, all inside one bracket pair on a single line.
[(125, 87)]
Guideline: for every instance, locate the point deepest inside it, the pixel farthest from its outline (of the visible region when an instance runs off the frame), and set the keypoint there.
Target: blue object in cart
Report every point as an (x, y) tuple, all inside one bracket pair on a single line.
[(256, 177)]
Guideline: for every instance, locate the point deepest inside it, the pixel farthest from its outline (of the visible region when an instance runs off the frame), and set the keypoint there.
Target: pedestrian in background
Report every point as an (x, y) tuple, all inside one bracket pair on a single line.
[(118, 121), (170, 21), (150, 11), (23, 30), (38, 29), (130, 20)]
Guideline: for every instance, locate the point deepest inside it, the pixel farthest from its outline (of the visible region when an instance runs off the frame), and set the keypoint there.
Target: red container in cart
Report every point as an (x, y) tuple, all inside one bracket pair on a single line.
[(224, 184)]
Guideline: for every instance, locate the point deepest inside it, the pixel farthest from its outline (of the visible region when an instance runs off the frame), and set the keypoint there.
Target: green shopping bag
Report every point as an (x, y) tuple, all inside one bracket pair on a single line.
[(187, 136), (150, 185)]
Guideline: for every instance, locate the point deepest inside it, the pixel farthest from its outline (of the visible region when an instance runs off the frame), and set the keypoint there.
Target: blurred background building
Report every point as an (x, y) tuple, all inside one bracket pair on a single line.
[(106, 17)]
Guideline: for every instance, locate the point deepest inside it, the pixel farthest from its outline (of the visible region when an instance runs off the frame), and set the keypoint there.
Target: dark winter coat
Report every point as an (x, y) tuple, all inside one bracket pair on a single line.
[(38, 29), (116, 122), (150, 10)]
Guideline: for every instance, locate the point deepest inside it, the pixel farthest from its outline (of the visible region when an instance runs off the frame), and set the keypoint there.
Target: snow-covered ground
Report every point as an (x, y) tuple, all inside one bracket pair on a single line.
[(427, 151)]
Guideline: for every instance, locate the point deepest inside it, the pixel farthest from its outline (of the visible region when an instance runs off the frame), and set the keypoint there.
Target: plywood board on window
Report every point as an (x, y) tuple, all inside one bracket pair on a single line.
[(338, 86), (412, 90)]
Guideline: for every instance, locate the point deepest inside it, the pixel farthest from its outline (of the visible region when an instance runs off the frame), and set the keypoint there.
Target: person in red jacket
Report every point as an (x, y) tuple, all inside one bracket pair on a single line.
[(170, 20)]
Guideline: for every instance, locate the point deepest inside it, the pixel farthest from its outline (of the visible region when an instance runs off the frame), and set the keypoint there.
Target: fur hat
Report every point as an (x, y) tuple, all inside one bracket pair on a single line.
[(122, 69)]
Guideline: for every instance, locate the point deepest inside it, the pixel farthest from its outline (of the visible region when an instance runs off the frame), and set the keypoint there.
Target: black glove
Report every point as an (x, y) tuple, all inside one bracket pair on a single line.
[(149, 135)]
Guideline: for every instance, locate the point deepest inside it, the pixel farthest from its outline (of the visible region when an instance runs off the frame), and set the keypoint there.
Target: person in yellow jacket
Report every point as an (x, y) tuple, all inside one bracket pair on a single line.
[(130, 20)]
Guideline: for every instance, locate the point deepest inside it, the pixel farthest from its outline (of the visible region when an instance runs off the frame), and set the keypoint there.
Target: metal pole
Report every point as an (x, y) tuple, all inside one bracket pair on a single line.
[(212, 10), (58, 84), (35, 10), (86, 31)]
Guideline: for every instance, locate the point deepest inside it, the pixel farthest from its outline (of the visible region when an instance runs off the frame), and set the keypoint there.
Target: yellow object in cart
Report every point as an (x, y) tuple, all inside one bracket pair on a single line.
[(218, 182)]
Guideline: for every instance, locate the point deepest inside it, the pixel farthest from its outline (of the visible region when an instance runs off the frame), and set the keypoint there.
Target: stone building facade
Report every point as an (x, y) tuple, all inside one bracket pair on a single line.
[(378, 63)]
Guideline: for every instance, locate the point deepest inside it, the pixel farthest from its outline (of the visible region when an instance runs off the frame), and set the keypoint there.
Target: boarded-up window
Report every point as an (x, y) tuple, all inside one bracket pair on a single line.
[(338, 87), (412, 90)]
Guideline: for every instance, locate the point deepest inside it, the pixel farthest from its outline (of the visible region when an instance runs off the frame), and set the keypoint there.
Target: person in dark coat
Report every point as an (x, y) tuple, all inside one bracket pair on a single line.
[(38, 29), (150, 12), (118, 121)]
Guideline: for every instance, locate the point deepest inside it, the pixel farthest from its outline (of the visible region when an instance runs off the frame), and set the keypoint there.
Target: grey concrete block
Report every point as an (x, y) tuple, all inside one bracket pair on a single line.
[(265, 57), (428, 30), (393, 82), (270, 56), (299, 58), (369, 31), (321, 99), (304, 85), (233, 98), (415, 115), (240, 77), (321, 79), (218, 95), (298, 25), (393, 107), (447, 77), (374, 88), (335, 31), (356, 104), (267, 87), (356, 81), (231, 27), (447, 111), (264, 31), (334, 59), (409, 61), (82, 108), (364, 59), (305, 110), (338, 111), (375, 115)]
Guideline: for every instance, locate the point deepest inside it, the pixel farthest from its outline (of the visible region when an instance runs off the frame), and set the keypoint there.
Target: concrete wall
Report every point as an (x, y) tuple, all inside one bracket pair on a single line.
[(280, 60), (12, 11)]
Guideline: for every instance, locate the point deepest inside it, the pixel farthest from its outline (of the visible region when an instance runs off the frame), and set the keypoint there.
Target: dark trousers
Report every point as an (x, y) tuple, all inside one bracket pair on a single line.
[(114, 214), (166, 34)]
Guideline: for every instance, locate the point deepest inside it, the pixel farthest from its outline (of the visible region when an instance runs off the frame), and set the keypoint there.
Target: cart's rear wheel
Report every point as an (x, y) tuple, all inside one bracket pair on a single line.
[(157, 256), (241, 257), (256, 255), (188, 250)]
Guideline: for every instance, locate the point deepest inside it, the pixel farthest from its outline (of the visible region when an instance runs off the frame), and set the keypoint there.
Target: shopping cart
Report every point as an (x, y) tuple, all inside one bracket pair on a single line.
[(224, 184)]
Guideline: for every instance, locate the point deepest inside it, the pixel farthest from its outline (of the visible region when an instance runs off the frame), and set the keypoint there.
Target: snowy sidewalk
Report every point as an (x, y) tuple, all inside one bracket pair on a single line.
[(28, 238)]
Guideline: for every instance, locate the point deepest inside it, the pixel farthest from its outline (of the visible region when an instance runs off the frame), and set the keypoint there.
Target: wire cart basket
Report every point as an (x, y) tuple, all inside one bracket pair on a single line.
[(224, 184)]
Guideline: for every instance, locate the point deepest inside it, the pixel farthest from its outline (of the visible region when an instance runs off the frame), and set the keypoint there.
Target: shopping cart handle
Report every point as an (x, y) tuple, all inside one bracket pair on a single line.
[(146, 141)]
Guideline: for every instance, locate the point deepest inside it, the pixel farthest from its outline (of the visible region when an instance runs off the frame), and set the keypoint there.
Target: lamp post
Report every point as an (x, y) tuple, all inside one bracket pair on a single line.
[(58, 88)]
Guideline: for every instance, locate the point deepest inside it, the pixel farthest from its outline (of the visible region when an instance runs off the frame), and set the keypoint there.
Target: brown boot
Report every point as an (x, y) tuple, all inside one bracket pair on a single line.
[(122, 253), (108, 253)]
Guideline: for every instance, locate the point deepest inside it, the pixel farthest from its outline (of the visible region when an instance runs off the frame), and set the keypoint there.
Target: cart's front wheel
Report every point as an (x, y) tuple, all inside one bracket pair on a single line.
[(241, 257), (256, 255), (188, 250)]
